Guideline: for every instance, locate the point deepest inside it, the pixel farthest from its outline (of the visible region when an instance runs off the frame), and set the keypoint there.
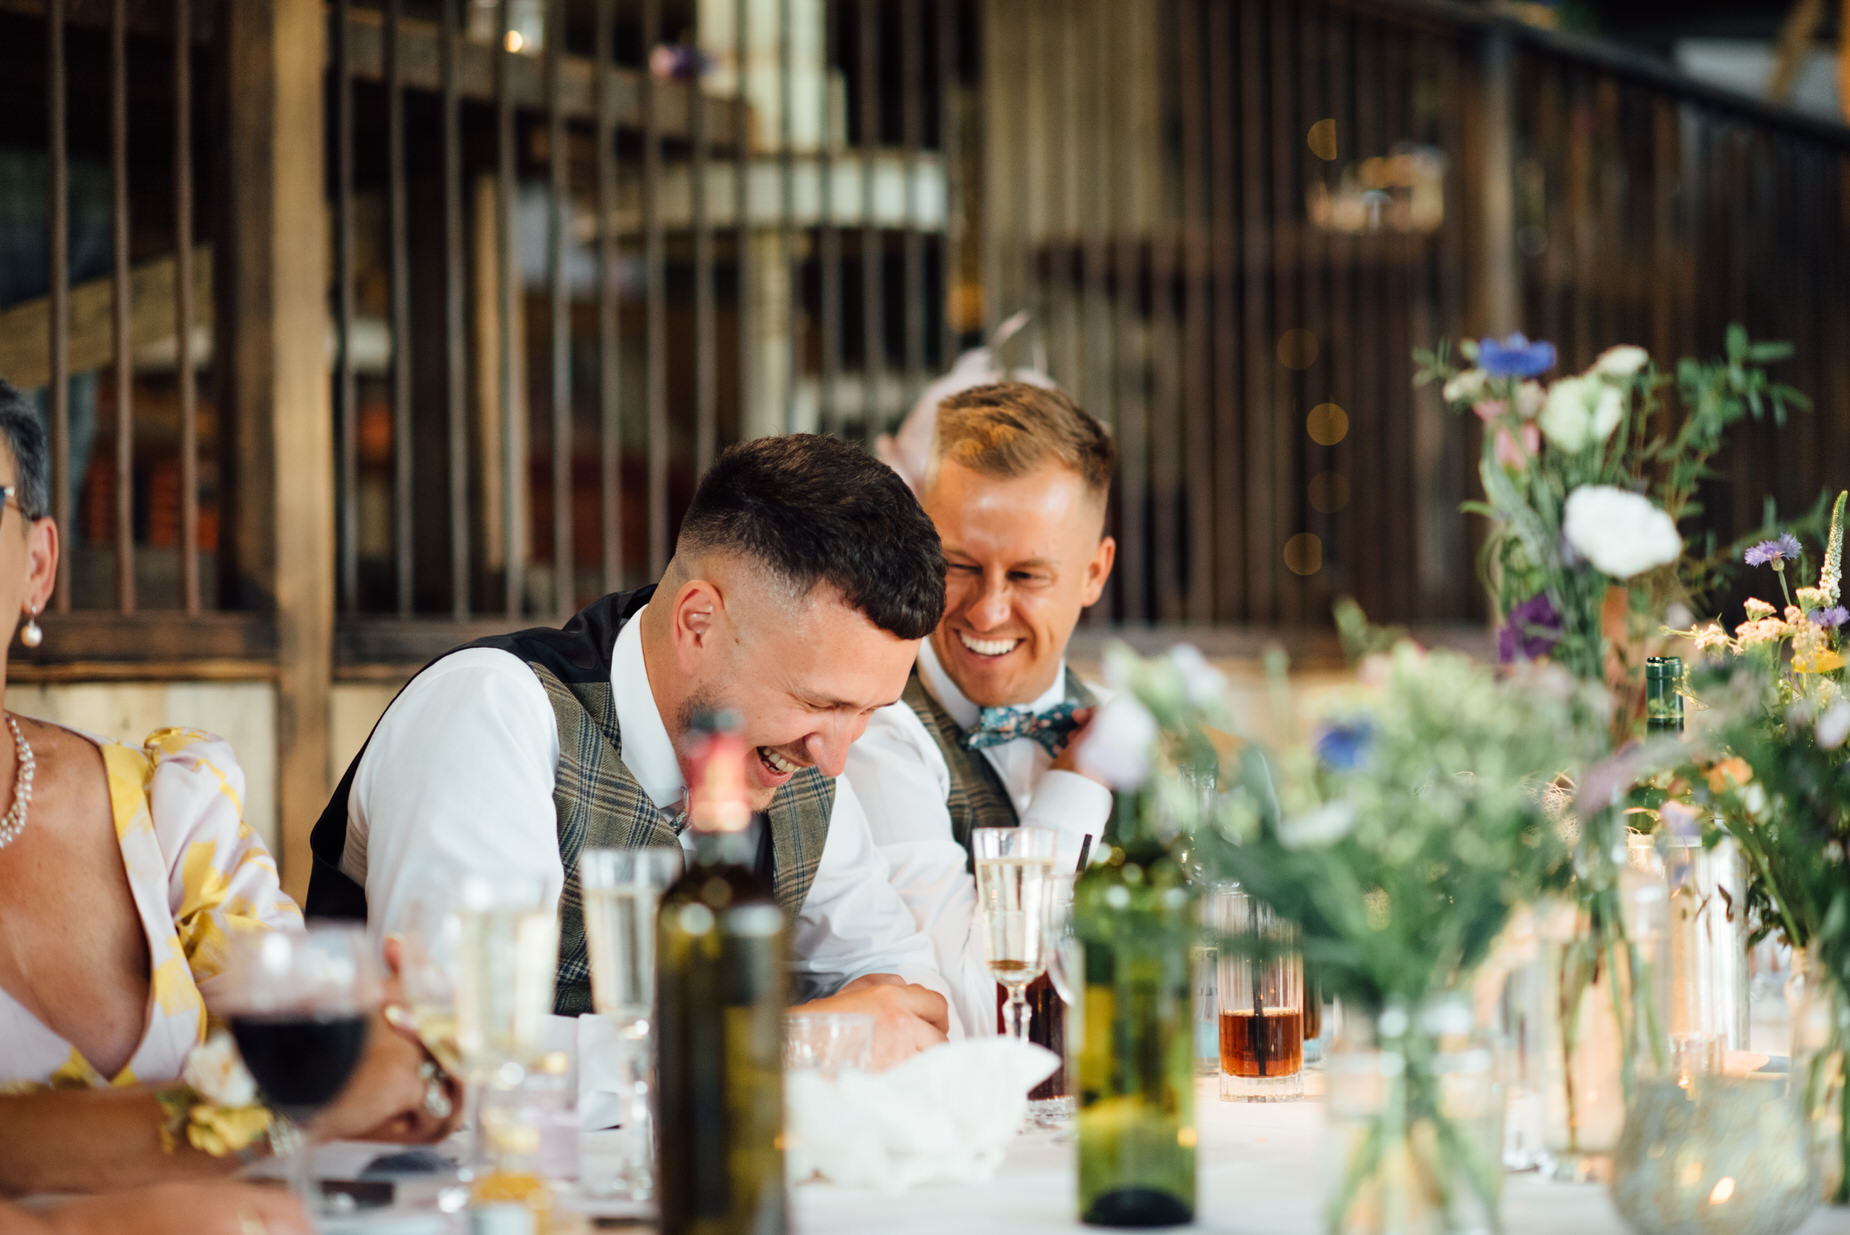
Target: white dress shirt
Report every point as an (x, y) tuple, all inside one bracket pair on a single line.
[(900, 775), (457, 780)]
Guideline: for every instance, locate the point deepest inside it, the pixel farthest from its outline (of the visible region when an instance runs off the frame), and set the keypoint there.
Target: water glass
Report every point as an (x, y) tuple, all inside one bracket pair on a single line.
[(828, 1043), (1261, 987), (621, 890), (1050, 1103)]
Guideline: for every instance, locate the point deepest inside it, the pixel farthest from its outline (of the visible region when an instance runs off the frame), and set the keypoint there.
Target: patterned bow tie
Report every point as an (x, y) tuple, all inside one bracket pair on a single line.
[(998, 725)]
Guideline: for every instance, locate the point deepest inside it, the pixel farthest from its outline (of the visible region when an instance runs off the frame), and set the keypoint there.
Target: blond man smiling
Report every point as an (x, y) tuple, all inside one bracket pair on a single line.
[(1017, 485)]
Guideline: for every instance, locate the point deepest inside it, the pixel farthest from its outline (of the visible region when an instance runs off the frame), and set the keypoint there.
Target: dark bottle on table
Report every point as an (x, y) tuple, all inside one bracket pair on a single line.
[(1046, 1027), (1663, 695), (720, 1013), (1134, 913)]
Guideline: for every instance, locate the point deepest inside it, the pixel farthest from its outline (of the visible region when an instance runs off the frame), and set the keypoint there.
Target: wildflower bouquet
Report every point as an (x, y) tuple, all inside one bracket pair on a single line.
[(1402, 837), (1587, 480), (1772, 764)]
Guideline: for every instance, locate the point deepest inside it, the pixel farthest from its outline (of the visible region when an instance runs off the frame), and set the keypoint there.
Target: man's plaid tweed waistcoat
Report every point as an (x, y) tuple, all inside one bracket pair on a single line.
[(978, 798), (598, 803)]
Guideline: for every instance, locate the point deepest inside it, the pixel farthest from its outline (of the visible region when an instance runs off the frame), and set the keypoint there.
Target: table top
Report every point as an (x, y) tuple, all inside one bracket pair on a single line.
[(1261, 1173)]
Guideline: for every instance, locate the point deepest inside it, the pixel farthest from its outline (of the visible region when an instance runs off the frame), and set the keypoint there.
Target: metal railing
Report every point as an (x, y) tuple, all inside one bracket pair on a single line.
[(579, 245)]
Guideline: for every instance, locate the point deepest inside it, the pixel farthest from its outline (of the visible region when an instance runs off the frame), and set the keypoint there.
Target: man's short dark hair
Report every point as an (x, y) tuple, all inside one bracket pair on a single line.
[(24, 434), (817, 510)]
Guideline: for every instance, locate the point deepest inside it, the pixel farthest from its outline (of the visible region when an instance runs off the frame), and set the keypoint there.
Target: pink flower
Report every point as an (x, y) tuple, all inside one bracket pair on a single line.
[(1514, 455), (1757, 608), (1490, 409), (1765, 630), (1710, 636)]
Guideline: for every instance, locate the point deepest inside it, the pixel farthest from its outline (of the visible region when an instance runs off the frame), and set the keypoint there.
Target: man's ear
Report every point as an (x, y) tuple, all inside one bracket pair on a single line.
[(1099, 568), (694, 622)]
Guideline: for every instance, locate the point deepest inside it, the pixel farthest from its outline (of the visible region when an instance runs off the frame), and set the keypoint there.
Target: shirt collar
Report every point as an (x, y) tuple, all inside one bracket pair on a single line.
[(958, 705), (648, 751)]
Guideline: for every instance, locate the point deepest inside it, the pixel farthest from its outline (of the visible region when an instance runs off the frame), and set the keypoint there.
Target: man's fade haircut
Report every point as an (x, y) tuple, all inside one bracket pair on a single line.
[(816, 510), (24, 435), (1010, 429)]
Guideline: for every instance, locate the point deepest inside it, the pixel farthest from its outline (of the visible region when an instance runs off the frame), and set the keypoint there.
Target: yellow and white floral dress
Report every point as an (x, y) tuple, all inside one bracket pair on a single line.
[(197, 872)]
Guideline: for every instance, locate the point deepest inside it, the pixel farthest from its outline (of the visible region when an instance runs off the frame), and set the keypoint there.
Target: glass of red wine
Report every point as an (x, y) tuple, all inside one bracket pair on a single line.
[(298, 1003)]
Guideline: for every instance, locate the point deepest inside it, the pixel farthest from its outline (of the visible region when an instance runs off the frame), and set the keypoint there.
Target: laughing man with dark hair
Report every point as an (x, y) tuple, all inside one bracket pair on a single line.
[(803, 579)]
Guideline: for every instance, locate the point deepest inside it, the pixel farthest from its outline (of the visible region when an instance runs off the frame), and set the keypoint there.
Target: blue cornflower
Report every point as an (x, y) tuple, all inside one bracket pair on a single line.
[(1515, 356), (1344, 748), (1774, 553), (1831, 618)]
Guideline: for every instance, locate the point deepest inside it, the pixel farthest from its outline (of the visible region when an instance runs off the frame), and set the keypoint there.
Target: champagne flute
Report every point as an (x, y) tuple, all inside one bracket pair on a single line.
[(1013, 869), (507, 949), (620, 890), (298, 1002)]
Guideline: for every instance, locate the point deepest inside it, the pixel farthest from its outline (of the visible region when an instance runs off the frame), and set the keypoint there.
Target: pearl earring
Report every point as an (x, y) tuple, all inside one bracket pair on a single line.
[(32, 634)]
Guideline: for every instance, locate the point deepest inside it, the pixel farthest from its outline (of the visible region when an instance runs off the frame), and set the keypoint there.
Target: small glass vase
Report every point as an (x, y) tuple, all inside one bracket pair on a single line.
[(1717, 1155), (1415, 1118), (1820, 1031), (1601, 1022)]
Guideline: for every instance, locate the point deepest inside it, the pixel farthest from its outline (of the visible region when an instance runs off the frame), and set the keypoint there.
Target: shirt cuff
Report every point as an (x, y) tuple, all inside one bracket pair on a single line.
[(1074, 806)]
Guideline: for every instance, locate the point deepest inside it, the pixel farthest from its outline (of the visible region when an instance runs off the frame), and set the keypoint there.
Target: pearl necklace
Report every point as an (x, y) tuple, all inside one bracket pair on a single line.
[(15, 820)]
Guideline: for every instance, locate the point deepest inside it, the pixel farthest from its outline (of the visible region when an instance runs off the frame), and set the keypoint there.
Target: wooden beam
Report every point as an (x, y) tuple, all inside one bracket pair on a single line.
[(274, 315), (150, 646), (25, 328), (421, 66)]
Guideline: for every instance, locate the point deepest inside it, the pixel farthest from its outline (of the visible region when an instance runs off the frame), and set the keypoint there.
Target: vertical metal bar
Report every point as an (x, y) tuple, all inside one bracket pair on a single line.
[(1165, 427), (609, 340), (786, 212), (1071, 278), (402, 451), (1098, 195), (456, 383), (830, 236), (989, 77), (346, 397), (513, 466), (1198, 257), (742, 210), (912, 120), (950, 82), (873, 316), (124, 355), (58, 211), (1229, 447), (183, 302), (1034, 16), (1130, 328), (564, 583), (706, 362), (1287, 262), (655, 260)]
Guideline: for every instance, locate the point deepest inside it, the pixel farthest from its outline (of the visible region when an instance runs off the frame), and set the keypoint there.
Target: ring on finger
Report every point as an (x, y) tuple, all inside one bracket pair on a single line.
[(437, 1102)]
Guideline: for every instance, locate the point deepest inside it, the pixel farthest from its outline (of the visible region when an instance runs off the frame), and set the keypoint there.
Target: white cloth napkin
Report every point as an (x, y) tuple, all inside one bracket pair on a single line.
[(947, 1114)]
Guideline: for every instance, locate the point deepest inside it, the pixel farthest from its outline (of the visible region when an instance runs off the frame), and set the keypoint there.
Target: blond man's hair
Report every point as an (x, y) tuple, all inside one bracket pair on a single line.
[(1010, 429)]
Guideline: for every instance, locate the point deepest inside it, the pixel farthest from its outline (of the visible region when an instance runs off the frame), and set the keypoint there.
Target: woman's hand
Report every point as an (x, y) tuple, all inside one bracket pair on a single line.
[(397, 1093), (178, 1209)]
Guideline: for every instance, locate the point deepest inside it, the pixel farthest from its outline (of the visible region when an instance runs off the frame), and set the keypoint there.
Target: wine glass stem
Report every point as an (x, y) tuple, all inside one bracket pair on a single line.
[(301, 1166), (639, 1141), (1018, 1014)]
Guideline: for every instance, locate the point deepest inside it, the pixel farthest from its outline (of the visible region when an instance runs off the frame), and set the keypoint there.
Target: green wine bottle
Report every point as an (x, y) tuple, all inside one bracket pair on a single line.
[(1663, 694), (720, 1014), (1135, 914)]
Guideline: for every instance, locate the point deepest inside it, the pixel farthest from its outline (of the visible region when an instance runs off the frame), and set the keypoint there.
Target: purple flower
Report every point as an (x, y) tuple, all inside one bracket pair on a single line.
[(1533, 629), (1515, 357), (1774, 552), (1343, 748), (1832, 618)]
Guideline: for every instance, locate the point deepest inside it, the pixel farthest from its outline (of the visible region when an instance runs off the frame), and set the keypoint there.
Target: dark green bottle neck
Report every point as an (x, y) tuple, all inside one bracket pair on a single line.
[(1132, 827), (1663, 695), (725, 848)]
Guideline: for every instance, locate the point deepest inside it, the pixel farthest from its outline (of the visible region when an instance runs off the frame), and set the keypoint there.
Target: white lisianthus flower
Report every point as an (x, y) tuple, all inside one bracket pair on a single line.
[(1834, 725), (1326, 825), (1566, 418), (1118, 744), (1465, 387), (1608, 411), (1205, 684), (217, 1073), (1530, 398), (1621, 533), (1621, 361)]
